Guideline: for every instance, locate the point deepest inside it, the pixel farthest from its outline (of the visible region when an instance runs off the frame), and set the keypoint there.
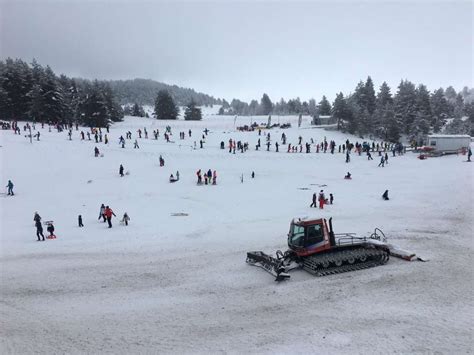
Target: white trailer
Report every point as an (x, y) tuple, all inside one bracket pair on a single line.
[(449, 143)]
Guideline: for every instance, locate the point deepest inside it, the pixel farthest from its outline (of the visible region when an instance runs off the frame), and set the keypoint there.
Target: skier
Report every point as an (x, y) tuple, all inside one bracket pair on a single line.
[(108, 214), (385, 195), (50, 229), (96, 152), (386, 158), (369, 156), (162, 161), (135, 145), (39, 228), (313, 204), (102, 212), (209, 175), (321, 199), (382, 162), (79, 221), (198, 173), (125, 219), (10, 188), (331, 199), (348, 157), (469, 154), (214, 178), (121, 170), (253, 174)]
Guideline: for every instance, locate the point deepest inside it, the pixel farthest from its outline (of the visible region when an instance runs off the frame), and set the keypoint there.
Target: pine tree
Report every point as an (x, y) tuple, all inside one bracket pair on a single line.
[(439, 108), (114, 110), (458, 106), (324, 107), (192, 112), (423, 118), (137, 111), (93, 110), (17, 83), (36, 111), (266, 105), (165, 108), (54, 107), (370, 96), (392, 125), (450, 94), (405, 105), (339, 110), (383, 102), (355, 115)]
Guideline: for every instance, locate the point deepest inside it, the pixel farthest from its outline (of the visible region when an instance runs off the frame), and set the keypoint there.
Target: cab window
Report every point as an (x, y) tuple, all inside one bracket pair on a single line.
[(315, 234), (297, 236)]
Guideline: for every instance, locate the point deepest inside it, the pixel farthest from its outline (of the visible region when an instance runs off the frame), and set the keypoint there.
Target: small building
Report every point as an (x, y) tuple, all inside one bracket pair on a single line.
[(448, 142)]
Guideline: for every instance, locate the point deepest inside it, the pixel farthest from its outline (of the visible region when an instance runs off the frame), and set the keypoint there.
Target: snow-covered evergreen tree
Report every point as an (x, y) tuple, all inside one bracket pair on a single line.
[(405, 105), (324, 107), (165, 108), (192, 112), (266, 105), (93, 109), (339, 110)]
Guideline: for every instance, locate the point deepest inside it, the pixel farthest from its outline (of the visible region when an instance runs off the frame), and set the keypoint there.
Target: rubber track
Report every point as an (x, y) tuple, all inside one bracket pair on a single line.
[(327, 264)]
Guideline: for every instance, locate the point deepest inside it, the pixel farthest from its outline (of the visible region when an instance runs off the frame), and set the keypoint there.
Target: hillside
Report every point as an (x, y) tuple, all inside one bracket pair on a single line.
[(143, 92)]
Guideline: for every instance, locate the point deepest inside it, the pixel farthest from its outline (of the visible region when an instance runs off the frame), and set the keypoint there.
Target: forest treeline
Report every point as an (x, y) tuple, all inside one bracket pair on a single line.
[(34, 92), (413, 110)]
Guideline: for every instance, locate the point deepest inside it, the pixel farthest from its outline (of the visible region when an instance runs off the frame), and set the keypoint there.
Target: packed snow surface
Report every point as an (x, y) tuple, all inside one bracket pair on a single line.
[(180, 284)]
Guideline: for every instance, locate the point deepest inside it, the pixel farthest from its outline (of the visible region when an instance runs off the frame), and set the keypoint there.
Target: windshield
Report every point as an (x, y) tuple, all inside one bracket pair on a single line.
[(296, 237)]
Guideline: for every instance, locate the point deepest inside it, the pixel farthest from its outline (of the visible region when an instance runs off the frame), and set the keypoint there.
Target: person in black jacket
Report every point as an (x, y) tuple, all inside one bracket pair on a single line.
[(39, 229), (314, 200), (385, 195)]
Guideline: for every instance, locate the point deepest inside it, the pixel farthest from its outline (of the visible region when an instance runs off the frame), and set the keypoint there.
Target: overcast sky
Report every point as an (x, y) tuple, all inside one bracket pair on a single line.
[(244, 48)]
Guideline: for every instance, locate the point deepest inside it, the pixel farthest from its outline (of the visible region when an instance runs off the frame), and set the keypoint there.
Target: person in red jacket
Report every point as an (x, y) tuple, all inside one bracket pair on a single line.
[(108, 214), (322, 199)]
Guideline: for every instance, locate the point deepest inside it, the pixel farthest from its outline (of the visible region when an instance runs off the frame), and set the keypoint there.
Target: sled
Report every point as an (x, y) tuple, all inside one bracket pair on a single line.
[(179, 214), (173, 180)]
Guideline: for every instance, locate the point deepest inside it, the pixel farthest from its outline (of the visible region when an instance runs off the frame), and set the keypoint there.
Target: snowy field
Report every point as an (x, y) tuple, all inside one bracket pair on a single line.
[(180, 284)]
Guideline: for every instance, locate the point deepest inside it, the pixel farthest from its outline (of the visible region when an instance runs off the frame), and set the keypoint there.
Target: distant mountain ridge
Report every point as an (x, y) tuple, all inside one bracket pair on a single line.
[(144, 92)]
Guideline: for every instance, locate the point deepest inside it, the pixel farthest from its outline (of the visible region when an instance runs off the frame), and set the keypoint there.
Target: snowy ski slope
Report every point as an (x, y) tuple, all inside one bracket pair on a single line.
[(179, 284)]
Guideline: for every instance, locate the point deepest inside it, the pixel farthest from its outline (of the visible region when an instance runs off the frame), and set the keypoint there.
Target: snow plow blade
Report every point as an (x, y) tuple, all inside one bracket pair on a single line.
[(269, 263), (397, 252)]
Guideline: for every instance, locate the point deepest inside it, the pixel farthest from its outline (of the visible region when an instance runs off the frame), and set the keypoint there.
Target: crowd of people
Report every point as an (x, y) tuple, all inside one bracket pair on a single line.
[(209, 177)]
